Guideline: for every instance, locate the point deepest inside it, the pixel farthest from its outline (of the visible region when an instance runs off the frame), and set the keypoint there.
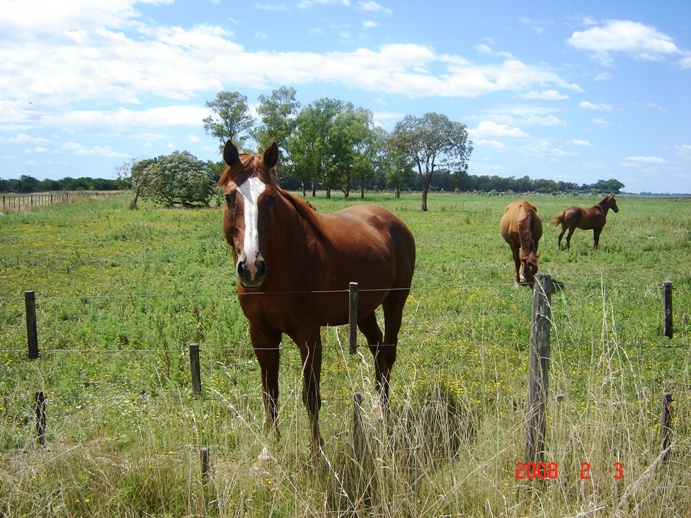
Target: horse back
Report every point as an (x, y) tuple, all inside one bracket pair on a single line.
[(514, 213)]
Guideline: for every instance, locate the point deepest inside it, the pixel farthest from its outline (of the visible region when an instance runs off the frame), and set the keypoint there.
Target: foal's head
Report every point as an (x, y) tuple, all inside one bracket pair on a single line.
[(611, 203), (249, 191)]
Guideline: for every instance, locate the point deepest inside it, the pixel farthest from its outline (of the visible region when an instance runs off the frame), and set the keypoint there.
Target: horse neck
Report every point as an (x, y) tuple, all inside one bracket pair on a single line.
[(296, 217), (604, 205), (525, 235)]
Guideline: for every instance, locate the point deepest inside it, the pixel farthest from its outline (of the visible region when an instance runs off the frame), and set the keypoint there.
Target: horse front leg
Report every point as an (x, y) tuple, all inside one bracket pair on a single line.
[(596, 236), (266, 350), (517, 264), (311, 354)]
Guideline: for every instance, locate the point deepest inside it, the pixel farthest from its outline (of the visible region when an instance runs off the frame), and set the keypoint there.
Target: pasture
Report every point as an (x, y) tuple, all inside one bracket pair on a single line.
[(120, 294)]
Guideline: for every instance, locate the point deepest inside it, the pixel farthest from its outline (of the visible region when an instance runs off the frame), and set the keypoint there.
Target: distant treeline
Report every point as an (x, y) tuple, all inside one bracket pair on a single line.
[(441, 181), (461, 181), (29, 184)]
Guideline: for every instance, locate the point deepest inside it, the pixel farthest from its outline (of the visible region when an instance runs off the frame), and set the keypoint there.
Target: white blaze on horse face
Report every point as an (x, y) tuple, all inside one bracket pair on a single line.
[(250, 191)]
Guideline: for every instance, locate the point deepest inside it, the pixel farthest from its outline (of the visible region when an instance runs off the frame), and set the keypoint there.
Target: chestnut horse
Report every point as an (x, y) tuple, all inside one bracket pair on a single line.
[(522, 230), (294, 266), (593, 218)]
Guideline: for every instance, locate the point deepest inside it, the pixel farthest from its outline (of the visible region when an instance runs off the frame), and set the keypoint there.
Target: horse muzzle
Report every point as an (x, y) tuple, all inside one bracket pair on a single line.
[(251, 273)]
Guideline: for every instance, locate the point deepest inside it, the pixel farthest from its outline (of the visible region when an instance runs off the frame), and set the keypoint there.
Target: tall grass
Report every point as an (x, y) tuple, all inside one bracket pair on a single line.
[(122, 293)]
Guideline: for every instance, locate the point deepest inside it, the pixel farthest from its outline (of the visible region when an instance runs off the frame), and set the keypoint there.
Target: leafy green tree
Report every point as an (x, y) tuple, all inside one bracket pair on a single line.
[(178, 178), (352, 147), (278, 115), (395, 163), (230, 118), (430, 141), (309, 145)]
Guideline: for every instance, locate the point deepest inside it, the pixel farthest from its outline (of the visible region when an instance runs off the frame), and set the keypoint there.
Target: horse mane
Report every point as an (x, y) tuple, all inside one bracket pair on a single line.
[(525, 235), (605, 201), (305, 209)]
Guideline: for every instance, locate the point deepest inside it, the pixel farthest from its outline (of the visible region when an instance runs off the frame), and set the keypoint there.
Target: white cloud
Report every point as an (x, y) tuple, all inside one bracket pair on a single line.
[(483, 49), (271, 7), (490, 129), (304, 4), (122, 118), (494, 144), (586, 105), (635, 39), (102, 151), (643, 160), (373, 7), (527, 115), (579, 142), (109, 53), (539, 26), (545, 95)]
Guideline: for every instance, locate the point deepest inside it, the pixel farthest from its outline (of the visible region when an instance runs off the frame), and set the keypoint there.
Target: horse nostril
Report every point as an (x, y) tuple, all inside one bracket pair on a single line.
[(241, 269), (261, 268)]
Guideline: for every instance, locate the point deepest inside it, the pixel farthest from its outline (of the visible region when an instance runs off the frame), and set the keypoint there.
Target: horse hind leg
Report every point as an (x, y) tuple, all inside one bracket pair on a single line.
[(561, 234), (370, 328), (568, 238)]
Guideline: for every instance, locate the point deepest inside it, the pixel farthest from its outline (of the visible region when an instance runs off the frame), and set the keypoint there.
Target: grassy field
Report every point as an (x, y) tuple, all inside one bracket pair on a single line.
[(120, 295)]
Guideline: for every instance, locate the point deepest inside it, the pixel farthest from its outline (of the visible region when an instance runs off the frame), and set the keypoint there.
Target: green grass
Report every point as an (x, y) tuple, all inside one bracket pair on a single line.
[(120, 295)]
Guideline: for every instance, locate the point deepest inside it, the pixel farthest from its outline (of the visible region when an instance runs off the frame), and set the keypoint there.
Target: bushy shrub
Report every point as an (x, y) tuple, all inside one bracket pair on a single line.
[(178, 178)]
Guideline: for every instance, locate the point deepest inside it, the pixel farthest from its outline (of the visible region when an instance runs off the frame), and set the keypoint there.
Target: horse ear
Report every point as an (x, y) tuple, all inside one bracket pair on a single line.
[(271, 155), (230, 153)]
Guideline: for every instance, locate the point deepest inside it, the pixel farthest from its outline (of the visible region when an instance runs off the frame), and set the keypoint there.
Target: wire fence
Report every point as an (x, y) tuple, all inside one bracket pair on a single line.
[(210, 395)]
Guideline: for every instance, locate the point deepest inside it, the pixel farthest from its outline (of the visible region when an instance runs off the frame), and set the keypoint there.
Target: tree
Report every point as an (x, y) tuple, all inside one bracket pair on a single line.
[(430, 141), (396, 164), (230, 118), (352, 147), (278, 114), (309, 144), (178, 178)]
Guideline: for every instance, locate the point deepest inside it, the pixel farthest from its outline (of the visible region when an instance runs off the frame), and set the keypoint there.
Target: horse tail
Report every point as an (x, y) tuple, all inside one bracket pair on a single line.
[(559, 220)]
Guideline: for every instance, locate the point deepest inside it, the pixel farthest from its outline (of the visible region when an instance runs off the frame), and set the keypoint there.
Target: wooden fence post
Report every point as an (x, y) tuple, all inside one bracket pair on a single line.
[(196, 372), (352, 299), (41, 417), (667, 300), (538, 387), (204, 456), (31, 333)]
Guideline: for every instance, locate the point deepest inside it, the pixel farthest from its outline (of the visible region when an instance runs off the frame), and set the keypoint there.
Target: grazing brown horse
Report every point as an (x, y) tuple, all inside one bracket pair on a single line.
[(294, 266), (593, 218), (522, 230)]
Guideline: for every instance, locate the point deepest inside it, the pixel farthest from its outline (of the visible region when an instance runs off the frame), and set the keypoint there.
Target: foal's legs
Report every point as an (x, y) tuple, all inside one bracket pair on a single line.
[(596, 235)]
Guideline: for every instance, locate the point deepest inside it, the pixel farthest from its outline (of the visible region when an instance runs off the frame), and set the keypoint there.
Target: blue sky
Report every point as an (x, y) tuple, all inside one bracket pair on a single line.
[(573, 91)]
